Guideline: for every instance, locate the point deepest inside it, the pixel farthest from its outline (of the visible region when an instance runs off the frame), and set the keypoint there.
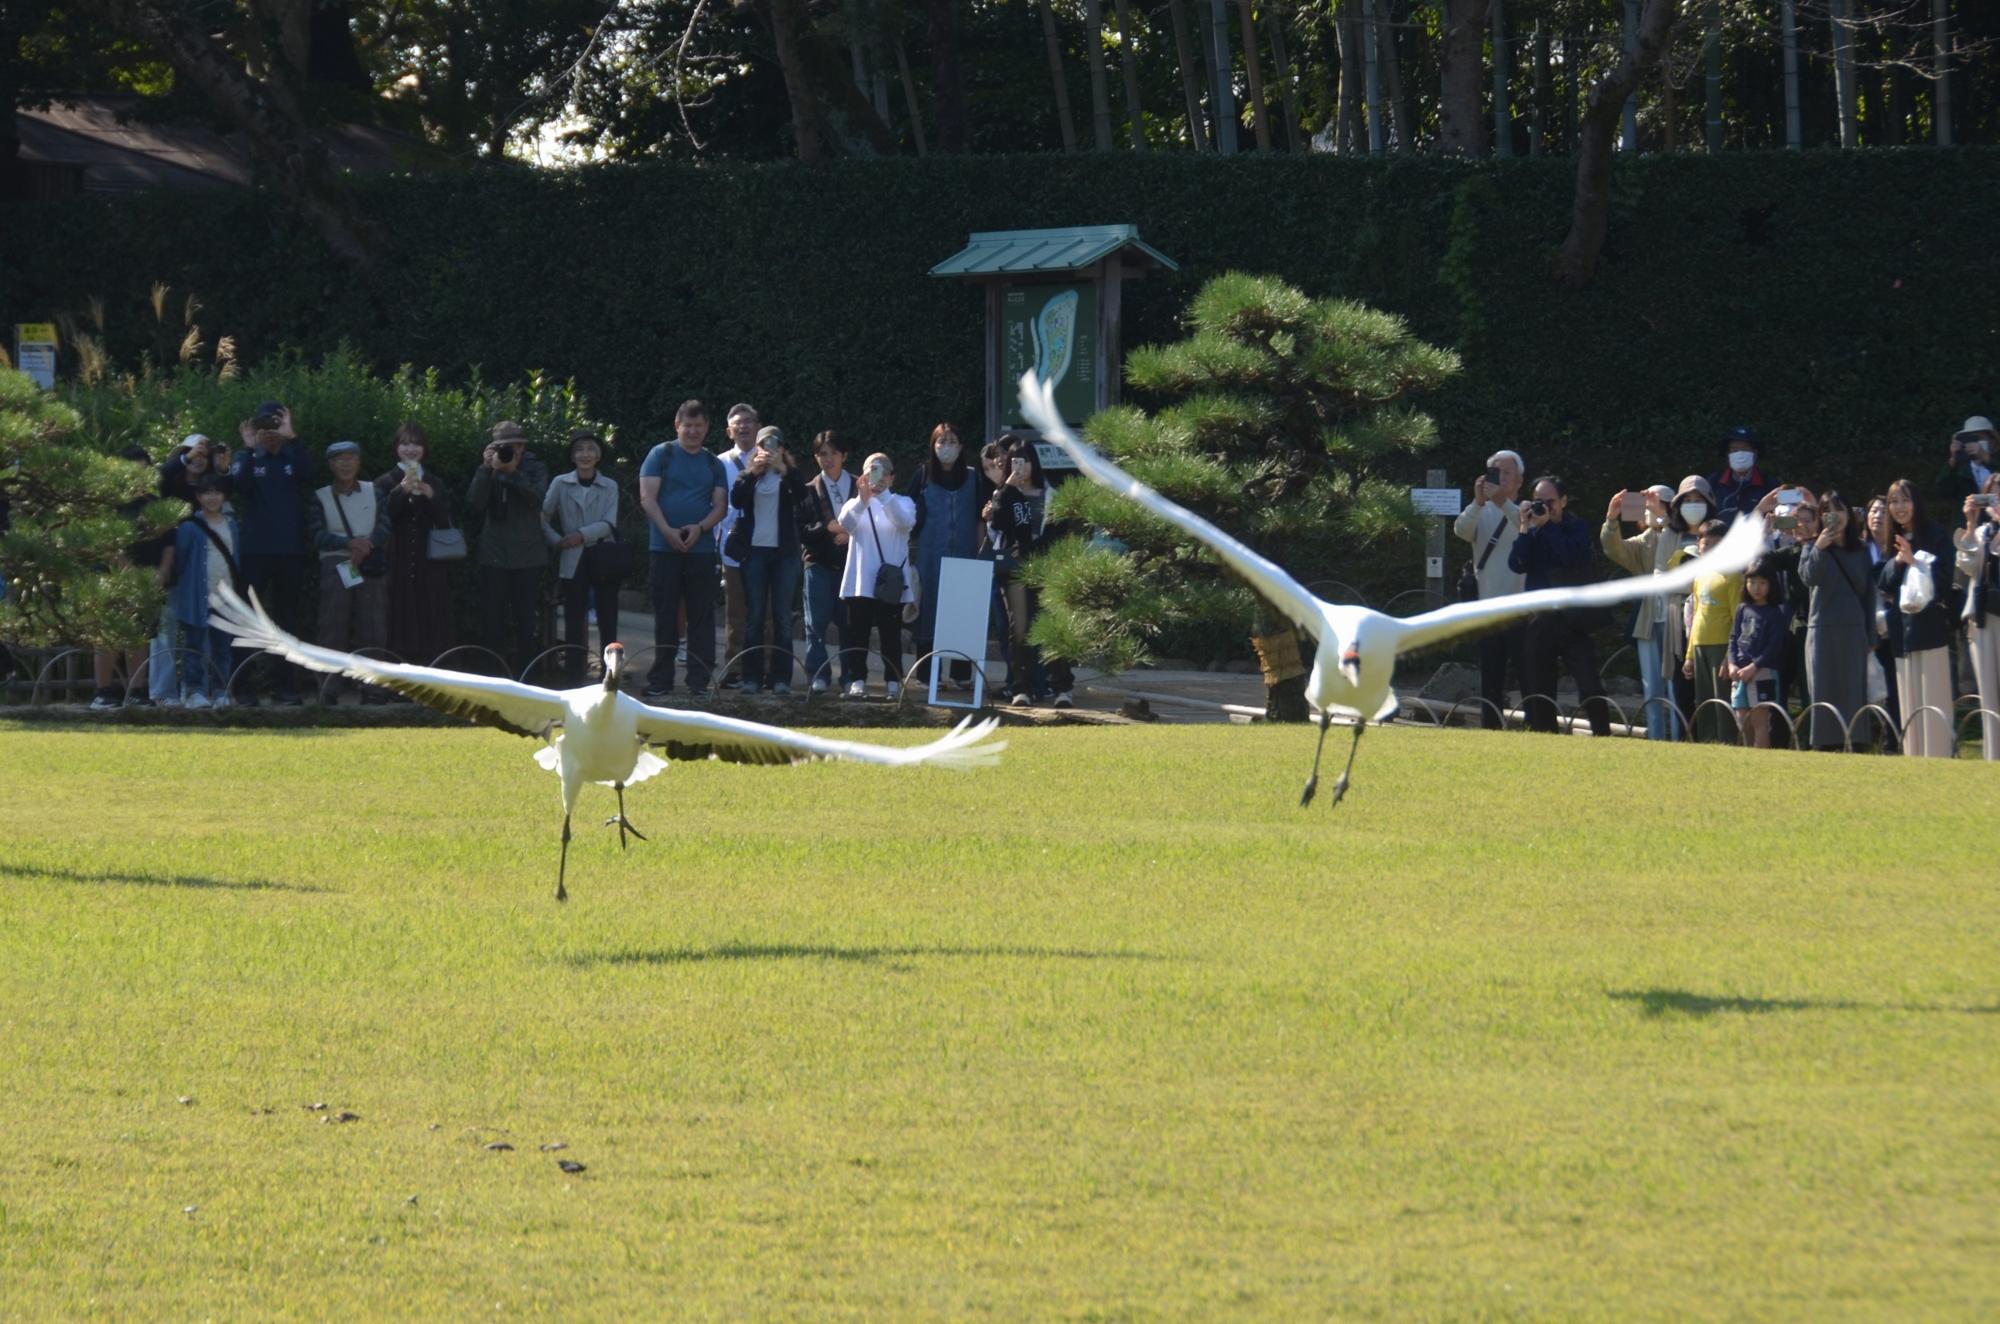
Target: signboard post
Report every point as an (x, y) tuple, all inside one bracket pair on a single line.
[(35, 352), (1445, 503)]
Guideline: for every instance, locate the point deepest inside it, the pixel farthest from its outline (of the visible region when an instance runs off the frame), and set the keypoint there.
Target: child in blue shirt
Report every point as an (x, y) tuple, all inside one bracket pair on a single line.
[(1756, 645), (205, 551)]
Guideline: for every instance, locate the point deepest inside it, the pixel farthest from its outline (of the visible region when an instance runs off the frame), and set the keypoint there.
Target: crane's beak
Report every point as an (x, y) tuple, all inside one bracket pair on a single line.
[(1350, 665), (614, 662)]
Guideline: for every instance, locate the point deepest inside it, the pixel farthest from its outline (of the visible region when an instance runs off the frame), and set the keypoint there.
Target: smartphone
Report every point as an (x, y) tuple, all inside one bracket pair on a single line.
[(1790, 496), (1632, 509), (1492, 476), (1985, 500)]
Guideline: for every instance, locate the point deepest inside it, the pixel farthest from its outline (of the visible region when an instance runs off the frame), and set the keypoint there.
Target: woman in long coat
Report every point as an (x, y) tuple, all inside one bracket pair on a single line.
[(1840, 623)]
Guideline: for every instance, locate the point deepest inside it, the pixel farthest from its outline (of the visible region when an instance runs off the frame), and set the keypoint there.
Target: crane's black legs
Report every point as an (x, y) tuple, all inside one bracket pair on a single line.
[(563, 868), (1340, 786), (624, 825), (1312, 782)]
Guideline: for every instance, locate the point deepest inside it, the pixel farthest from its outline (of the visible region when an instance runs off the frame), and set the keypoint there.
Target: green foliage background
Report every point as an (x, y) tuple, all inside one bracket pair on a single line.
[(1842, 303)]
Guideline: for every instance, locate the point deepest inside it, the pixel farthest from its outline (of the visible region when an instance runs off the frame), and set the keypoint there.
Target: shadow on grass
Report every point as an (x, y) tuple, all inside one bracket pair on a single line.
[(890, 956), (117, 878), (1660, 1001)]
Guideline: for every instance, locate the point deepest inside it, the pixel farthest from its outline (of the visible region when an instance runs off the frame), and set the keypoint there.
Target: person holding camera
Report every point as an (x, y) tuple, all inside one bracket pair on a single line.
[(740, 425), (579, 515), (506, 494), (1840, 624), (347, 523), (1553, 549), (1920, 622), (684, 492), (765, 542), (1017, 517), (1978, 546), (876, 582), (823, 548), (1656, 622), (273, 478), (1969, 463), (1490, 524), (418, 585)]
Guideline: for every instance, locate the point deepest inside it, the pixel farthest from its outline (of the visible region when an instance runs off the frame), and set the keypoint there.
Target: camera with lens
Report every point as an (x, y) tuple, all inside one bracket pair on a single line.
[(507, 452), (1538, 508)]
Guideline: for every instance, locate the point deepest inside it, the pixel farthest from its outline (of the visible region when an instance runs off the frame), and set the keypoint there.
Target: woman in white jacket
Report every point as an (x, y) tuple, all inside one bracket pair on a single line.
[(579, 511), (878, 524)]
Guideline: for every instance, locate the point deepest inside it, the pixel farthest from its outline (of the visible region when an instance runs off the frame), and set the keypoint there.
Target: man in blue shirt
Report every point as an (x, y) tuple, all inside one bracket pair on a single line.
[(684, 494), (272, 478), (1555, 549)]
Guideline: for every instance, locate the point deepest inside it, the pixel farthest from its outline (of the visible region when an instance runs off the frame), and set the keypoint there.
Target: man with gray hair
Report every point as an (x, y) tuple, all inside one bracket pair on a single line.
[(1490, 524), (742, 422)]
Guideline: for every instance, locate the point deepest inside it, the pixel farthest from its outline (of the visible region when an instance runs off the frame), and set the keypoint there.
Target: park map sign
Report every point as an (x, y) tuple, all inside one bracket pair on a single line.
[(1053, 330)]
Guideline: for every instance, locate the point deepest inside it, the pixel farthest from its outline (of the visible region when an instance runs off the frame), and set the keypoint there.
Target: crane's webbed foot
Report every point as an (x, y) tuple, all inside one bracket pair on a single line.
[(1312, 785)]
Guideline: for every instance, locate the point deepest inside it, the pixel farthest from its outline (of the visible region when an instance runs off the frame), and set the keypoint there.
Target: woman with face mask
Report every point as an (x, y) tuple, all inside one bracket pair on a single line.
[(419, 591), (1978, 545), (1657, 636), (1920, 639), (948, 500)]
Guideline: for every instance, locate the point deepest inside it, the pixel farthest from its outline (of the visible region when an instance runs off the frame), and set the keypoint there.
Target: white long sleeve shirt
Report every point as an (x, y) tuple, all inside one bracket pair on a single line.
[(887, 519)]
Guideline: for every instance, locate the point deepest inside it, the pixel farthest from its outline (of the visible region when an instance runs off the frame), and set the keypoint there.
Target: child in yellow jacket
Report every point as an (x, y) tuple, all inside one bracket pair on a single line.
[(1712, 611)]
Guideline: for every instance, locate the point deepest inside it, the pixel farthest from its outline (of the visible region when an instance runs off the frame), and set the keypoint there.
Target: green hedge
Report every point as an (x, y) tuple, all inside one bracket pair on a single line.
[(1842, 303)]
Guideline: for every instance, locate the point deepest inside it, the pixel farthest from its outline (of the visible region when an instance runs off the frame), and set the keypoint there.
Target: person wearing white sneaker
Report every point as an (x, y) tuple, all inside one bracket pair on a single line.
[(196, 700), (855, 690), (1064, 699), (875, 583), (892, 691)]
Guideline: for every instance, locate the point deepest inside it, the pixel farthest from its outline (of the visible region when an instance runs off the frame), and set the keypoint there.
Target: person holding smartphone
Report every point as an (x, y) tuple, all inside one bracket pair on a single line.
[(419, 588), (1978, 546), (878, 524), (1017, 512), (764, 541), (1840, 624), (1490, 525), (1656, 624)]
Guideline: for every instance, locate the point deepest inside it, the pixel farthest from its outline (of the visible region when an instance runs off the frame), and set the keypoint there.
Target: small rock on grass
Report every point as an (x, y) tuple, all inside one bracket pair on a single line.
[(569, 1165), (555, 1145), (187, 1100)]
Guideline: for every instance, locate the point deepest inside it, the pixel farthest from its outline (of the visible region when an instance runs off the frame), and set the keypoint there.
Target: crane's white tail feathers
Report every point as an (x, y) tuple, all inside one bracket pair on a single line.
[(962, 748), (648, 765), (248, 621)]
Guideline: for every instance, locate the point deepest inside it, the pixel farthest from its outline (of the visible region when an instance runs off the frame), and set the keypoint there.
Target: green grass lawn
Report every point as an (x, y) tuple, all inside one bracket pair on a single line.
[(1529, 1028)]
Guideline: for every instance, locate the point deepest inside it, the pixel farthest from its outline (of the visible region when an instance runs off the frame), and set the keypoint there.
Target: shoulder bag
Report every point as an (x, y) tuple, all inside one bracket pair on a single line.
[(376, 563), (889, 581), (1468, 575)]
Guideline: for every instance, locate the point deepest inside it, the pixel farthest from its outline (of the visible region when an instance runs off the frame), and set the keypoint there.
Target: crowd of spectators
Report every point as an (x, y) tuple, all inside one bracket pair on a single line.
[(1856, 607), (730, 534)]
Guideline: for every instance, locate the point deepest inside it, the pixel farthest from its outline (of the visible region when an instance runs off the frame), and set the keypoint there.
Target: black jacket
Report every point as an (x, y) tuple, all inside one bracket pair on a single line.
[(1931, 627), (743, 496), (814, 518)]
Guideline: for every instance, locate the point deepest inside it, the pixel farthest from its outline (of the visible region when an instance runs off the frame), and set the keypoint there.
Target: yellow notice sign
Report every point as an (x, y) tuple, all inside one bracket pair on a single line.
[(34, 332)]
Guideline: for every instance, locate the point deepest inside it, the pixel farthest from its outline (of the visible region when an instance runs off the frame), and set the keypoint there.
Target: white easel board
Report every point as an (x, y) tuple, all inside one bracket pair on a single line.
[(964, 606)]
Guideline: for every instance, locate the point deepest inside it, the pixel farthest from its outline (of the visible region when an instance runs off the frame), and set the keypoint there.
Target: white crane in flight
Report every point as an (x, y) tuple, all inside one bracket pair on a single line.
[(596, 733), (1356, 662)]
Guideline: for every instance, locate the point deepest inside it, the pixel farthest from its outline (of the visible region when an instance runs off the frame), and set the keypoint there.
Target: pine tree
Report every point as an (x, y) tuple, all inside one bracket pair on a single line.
[(68, 574), (1286, 413)]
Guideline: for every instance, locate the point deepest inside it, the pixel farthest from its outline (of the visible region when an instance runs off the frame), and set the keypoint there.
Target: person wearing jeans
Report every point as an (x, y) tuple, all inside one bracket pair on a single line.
[(272, 480), (823, 546), (1657, 634), (764, 539), (1554, 551), (684, 493)]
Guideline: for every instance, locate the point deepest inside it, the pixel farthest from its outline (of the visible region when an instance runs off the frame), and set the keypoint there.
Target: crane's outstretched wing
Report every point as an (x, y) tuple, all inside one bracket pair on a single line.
[(525, 710), (1739, 547), (682, 734), (1277, 587)]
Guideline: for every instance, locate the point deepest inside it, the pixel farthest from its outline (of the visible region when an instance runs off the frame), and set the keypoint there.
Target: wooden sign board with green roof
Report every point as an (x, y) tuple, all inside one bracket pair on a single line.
[(1052, 304)]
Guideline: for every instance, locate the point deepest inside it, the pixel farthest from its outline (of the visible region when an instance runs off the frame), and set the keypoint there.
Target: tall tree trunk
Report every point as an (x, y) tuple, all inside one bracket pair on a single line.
[(1253, 65), (1538, 118), (1711, 89), (1190, 81), (784, 17), (1459, 129), (910, 96), (1053, 45), (1388, 37), (1128, 64), (1371, 73), (1503, 115), (273, 121), (1628, 138), (1788, 37), (948, 77), (1669, 110), (1347, 34), (1222, 76), (1941, 71), (1576, 264), (1100, 88), (1573, 86), (1287, 93), (1846, 95)]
